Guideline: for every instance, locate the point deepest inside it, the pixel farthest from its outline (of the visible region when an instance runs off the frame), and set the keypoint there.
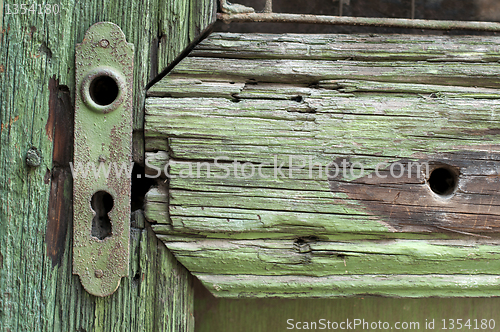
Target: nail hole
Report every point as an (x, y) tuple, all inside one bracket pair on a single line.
[(298, 99), (306, 239), (443, 181), (102, 203), (103, 90)]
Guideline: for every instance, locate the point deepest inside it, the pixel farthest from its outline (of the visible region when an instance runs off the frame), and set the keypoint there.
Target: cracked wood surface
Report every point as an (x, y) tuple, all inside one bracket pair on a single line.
[(37, 55), (368, 99)]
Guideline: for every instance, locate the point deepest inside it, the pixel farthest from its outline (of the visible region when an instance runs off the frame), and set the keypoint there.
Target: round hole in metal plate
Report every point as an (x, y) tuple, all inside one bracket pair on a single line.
[(103, 90)]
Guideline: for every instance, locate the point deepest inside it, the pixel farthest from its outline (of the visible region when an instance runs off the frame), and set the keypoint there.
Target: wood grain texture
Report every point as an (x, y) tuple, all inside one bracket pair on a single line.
[(365, 129), (37, 290), (233, 286), (356, 47), (310, 257), (288, 106)]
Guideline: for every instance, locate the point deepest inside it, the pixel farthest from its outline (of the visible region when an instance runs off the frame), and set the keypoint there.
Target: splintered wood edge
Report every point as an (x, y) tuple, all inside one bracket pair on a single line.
[(417, 286)]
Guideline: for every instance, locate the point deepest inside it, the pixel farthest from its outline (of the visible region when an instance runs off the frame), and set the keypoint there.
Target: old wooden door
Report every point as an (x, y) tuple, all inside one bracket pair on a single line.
[(38, 291), (37, 52)]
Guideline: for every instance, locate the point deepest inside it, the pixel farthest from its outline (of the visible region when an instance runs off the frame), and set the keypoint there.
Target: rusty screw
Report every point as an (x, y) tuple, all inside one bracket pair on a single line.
[(33, 157), (99, 274)]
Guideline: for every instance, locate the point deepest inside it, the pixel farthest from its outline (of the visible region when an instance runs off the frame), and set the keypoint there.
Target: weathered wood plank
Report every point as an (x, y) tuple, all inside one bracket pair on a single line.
[(436, 285), (173, 19), (315, 258), (370, 130), (150, 283), (182, 87), (313, 71), (356, 47), (383, 125), (434, 91), (288, 106), (179, 24), (37, 289), (165, 288), (187, 87), (202, 14)]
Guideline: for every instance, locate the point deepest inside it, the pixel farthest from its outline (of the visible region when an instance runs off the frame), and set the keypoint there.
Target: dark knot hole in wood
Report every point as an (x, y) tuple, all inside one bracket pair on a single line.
[(443, 181), (103, 90), (102, 203)]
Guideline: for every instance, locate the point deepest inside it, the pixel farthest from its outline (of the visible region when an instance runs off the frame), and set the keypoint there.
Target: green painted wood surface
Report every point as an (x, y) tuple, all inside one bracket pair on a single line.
[(319, 259), (37, 289), (368, 99), (345, 46)]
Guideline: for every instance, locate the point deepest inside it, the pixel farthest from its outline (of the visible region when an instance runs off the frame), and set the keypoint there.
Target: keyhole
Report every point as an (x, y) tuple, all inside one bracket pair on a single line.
[(102, 203), (103, 90)]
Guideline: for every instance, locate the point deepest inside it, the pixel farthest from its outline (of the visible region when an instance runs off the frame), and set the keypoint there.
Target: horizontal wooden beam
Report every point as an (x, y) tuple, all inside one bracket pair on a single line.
[(436, 285)]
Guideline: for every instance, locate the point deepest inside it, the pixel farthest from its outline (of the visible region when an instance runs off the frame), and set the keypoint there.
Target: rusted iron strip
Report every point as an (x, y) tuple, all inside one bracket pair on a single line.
[(360, 21)]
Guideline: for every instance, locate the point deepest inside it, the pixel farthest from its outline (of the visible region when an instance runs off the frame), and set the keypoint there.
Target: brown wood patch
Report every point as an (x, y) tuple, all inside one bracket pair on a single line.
[(457, 191), (59, 129)]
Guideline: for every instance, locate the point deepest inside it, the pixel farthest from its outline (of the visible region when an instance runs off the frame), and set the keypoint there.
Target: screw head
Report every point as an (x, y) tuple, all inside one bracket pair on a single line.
[(33, 157), (104, 43), (99, 273)]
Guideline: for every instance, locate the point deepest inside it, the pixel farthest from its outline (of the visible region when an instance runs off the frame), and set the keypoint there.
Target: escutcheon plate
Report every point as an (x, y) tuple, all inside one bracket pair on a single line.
[(103, 141)]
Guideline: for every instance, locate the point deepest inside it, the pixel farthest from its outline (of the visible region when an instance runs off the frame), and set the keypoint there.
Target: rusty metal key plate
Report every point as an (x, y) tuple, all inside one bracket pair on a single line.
[(102, 158)]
